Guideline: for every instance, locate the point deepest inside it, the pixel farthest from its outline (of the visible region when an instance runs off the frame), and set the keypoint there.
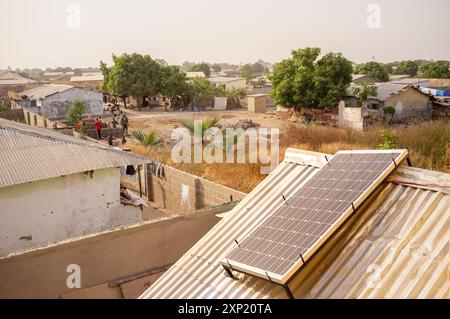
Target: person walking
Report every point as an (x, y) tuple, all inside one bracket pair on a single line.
[(125, 123), (98, 127)]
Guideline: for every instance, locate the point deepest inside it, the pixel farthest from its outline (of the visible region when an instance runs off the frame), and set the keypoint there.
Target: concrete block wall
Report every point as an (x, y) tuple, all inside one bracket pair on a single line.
[(186, 192)]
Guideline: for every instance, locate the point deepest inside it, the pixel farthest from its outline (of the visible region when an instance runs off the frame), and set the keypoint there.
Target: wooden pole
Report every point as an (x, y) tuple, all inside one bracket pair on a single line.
[(140, 183)]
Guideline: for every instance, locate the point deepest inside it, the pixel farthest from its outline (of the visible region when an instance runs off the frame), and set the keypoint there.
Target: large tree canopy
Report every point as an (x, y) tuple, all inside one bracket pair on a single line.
[(438, 69), (133, 75), (374, 69), (201, 67), (301, 81), (172, 81), (407, 67)]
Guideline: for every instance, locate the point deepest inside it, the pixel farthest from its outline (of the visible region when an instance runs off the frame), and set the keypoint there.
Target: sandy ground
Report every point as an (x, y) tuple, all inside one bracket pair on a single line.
[(165, 122)]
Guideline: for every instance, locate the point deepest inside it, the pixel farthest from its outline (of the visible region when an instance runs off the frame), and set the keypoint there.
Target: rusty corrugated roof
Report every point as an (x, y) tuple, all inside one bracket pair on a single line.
[(30, 154), (397, 246)]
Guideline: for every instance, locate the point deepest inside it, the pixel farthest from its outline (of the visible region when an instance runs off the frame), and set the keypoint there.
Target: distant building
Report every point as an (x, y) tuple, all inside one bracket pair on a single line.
[(397, 77), (11, 81), (358, 78), (193, 75), (87, 80), (229, 82), (54, 187), (422, 82), (53, 100), (408, 101)]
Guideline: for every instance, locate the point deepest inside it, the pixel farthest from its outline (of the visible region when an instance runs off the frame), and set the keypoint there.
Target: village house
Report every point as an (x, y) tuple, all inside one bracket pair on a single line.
[(87, 80), (407, 101), (229, 82), (193, 75), (395, 246), (11, 83), (54, 187), (53, 100), (358, 78)]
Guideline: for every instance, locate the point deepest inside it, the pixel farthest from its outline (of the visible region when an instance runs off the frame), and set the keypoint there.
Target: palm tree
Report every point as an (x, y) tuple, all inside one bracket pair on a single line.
[(206, 124), (148, 140)]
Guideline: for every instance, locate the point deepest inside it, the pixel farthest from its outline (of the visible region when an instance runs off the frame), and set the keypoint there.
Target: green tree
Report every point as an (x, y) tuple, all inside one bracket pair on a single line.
[(134, 75), (216, 67), (364, 90), (201, 67), (333, 74), (374, 69), (257, 68), (76, 111), (247, 71), (201, 87), (105, 71), (148, 140), (438, 69), (172, 81), (205, 125), (301, 82), (407, 67)]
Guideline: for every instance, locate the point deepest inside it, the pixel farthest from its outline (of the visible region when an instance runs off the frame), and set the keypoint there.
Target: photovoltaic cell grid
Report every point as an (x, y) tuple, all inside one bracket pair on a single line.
[(276, 245)]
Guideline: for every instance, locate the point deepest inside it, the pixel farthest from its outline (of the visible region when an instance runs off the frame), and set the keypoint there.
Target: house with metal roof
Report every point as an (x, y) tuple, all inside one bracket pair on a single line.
[(53, 100), (396, 245), (54, 187), (11, 81), (358, 78), (407, 101), (192, 75), (229, 82)]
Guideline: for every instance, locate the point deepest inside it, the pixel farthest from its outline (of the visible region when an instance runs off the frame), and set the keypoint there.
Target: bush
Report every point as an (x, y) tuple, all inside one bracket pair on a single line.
[(76, 111), (3, 108), (389, 110), (389, 141), (147, 140)]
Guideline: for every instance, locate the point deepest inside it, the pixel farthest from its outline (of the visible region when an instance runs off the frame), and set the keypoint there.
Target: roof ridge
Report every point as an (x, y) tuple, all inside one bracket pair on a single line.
[(63, 141)]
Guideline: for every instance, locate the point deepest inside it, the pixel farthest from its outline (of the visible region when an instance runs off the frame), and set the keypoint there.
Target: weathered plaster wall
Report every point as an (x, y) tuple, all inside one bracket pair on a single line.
[(56, 106), (350, 116), (104, 257), (56, 209), (409, 104)]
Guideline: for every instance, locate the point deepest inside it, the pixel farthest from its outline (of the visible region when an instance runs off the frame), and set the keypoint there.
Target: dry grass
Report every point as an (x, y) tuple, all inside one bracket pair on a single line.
[(428, 144)]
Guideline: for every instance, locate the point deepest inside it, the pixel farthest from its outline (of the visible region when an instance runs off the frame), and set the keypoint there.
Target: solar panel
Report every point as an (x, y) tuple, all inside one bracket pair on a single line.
[(289, 236)]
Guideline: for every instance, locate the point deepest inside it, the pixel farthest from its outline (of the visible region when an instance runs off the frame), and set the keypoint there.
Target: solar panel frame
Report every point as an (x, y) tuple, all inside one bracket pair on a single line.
[(283, 278)]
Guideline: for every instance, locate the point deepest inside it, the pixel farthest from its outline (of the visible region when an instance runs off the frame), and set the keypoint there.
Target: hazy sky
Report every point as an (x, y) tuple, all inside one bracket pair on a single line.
[(36, 33)]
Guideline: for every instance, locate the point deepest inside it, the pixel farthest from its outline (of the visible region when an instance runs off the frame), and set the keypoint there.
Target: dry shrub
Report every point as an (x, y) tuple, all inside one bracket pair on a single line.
[(428, 144)]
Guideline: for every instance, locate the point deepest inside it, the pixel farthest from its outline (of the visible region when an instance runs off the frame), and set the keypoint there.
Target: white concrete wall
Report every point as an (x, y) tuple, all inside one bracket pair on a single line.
[(56, 106), (236, 84), (55, 209), (350, 116)]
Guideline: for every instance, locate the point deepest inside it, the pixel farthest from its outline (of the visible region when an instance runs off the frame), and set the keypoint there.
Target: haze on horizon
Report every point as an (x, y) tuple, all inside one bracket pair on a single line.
[(36, 33)]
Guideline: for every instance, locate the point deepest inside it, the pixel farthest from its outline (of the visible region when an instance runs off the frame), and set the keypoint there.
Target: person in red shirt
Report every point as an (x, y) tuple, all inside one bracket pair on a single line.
[(98, 127)]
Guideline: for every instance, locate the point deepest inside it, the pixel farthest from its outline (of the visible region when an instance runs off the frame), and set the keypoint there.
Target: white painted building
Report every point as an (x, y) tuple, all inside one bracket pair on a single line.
[(229, 82), (53, 100), (55, 187)]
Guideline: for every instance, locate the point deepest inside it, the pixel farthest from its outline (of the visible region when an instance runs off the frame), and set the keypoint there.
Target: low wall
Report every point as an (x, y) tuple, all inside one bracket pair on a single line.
[(183, 191), (104, 257), (34, 119)]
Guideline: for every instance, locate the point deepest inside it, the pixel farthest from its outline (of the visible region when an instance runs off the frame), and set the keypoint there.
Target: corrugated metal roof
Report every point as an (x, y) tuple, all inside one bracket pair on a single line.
[(12, 78), (30, 154), (224, 79), (45, 90), (192, 75), (87, 77), (397, 246), (384, 90)]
